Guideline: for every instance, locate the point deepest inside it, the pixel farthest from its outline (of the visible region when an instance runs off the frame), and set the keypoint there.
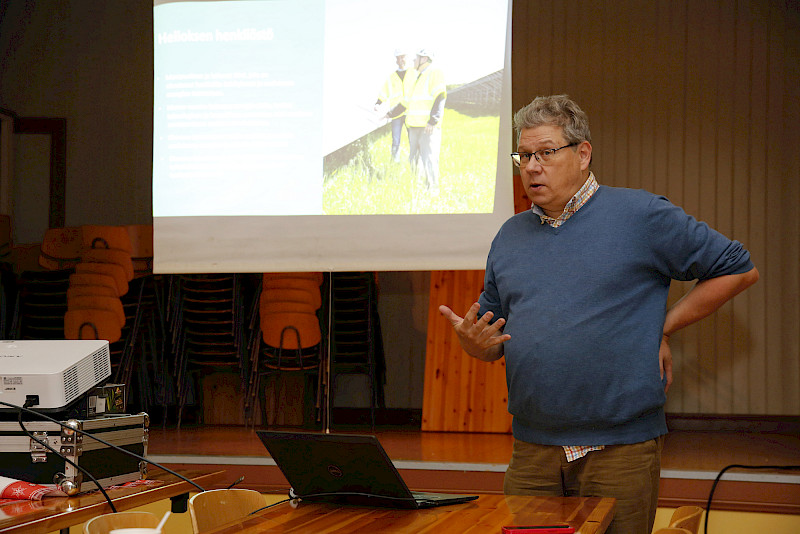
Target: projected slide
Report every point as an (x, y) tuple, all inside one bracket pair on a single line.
[(284, 107)]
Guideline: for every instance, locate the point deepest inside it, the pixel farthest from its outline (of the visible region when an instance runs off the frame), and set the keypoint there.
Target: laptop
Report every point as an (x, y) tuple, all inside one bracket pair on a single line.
[(347, 469)]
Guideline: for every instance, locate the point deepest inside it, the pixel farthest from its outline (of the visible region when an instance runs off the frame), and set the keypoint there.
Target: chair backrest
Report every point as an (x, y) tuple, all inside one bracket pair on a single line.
[(104, 236), (292, 295), (278, 306), (94, 279), (291, 283), (61, 248), (687, 517), (84, 290), (316, 276), (96, 302), (291, 330), (111, 255), (210, 509), (103, 524), (92, 324), (117, 272)]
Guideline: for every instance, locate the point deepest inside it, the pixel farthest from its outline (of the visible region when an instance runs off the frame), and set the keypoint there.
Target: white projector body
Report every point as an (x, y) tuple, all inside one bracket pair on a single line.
[(58, 371)]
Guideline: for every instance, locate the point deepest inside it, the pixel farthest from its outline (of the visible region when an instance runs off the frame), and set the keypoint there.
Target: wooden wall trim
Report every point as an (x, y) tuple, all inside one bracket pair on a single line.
[(764, 424), (732, 496)]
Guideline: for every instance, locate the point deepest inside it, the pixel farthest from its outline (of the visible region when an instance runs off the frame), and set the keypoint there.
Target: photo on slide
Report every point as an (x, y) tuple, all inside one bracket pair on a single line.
[(370, 165)]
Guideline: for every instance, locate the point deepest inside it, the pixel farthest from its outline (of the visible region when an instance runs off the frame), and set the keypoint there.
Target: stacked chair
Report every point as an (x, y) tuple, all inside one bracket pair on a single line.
[(146, 359), (208, 325), (61, 248), (86, 270), (288, 342), (8, 301), (41, 304), (90, 282), (100, 280), (356, 341), (95, 282), (41, 295), (6, 243), (8, 279)]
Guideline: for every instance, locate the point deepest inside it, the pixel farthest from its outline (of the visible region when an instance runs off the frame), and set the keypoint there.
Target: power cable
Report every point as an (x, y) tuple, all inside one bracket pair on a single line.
[(739, 466)]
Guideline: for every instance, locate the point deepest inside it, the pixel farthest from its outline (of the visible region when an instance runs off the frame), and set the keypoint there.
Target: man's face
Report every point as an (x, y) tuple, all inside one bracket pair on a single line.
[(419, 60), (401, 62), (552, 185)]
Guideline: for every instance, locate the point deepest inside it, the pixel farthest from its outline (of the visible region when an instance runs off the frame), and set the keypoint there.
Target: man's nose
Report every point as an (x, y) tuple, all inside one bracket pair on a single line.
[(533, 165)]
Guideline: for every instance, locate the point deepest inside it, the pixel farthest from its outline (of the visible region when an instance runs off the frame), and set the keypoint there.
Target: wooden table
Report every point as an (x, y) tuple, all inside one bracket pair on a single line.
[(56, 513), (588, 515)]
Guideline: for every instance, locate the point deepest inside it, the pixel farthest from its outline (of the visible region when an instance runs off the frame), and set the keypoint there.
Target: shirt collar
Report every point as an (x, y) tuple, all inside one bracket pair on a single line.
[(580, 198)]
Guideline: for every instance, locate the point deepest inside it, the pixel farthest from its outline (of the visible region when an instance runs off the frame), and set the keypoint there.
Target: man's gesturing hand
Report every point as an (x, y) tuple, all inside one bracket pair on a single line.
[(478, 338)]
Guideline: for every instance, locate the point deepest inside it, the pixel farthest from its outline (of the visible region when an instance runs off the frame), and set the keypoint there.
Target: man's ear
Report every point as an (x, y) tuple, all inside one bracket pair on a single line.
[(585, 151)]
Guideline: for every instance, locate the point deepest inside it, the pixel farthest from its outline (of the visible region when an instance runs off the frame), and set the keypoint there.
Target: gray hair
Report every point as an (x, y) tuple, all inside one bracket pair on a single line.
[(557, 110)]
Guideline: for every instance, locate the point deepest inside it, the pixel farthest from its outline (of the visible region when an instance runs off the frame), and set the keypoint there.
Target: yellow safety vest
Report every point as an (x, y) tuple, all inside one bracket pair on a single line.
[(394, 90), (428, 85)]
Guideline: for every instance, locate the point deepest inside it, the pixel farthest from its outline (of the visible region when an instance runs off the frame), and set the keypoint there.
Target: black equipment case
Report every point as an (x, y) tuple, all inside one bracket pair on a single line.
[(23, 458)]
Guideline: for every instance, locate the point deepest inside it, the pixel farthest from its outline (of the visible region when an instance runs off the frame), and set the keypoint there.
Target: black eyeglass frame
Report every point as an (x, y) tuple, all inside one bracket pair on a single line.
[(516, 157)]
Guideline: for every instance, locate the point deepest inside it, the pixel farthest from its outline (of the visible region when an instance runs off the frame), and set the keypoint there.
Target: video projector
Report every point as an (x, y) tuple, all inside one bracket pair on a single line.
[(58, 371)]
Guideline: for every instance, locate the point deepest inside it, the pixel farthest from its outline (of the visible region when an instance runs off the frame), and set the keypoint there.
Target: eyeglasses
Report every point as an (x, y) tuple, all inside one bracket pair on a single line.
[(543, 156)]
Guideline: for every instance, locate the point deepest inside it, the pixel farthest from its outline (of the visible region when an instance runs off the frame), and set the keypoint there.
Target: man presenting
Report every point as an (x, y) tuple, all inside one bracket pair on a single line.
[(575, 298)]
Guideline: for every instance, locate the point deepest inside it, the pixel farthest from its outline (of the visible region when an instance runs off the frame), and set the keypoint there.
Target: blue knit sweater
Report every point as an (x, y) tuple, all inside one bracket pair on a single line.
[(585, 306)]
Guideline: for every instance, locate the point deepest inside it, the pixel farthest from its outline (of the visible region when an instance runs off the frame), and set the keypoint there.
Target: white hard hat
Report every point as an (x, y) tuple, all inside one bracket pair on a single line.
[(401, 52), (427, 52)]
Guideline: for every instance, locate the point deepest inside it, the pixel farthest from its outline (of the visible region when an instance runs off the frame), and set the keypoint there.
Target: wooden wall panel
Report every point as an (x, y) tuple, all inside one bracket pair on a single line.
[(461, 394), (696, 100), (789, 232)]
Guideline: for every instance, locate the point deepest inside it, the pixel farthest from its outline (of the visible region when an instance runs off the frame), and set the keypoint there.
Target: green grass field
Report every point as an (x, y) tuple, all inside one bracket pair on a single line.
[(372, 183)]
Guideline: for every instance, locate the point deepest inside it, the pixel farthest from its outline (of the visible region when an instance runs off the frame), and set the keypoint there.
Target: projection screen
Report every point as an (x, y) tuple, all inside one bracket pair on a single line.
[(272, 144)]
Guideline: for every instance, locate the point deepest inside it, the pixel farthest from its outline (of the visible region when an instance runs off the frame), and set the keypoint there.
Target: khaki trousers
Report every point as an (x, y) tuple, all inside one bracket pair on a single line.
[(628, 473)]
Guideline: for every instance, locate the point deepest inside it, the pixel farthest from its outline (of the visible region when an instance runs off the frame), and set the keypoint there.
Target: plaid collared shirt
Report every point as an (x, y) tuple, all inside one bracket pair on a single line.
[(580, 198), (573, 452)]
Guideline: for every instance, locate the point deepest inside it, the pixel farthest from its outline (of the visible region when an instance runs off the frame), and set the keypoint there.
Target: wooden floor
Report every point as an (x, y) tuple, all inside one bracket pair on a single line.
[(444, 461)]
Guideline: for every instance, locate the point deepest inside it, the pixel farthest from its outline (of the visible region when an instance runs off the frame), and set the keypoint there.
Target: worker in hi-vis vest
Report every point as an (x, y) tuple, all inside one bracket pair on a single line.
[(424, 118), (393, 95)]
